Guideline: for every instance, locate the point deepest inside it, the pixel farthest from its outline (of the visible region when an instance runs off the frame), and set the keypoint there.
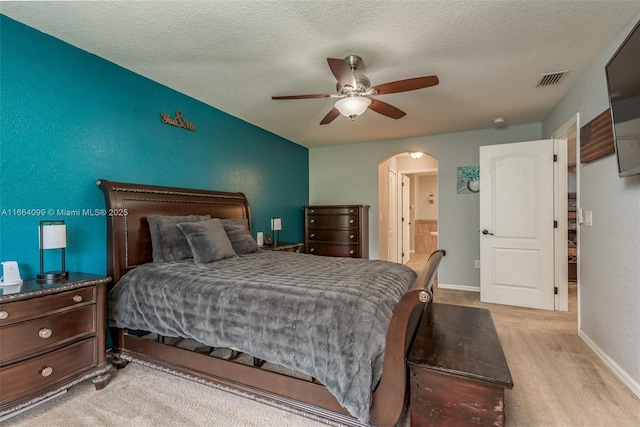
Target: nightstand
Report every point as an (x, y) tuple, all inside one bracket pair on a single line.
[(52, 337), (284, 246)]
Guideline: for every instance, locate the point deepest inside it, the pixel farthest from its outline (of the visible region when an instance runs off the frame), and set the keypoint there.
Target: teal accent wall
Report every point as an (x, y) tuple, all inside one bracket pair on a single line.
[(68, 118)]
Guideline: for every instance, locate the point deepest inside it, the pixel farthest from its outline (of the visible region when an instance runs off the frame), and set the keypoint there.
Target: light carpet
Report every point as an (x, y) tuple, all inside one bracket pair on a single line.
[(558, 381)]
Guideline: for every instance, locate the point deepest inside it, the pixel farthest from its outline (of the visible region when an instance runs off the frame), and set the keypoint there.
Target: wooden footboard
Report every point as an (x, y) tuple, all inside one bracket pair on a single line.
[(129, 245)]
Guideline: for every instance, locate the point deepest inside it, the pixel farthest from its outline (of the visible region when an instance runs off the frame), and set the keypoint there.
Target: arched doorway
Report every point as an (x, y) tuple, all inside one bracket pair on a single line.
[(408, 203)]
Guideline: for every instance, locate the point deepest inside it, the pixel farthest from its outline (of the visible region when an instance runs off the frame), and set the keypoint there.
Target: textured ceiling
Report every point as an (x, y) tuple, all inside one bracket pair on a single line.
[(234, 55)]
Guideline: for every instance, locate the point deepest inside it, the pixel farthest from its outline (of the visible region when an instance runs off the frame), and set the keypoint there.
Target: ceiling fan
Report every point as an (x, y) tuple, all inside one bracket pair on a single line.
[(355, 91)]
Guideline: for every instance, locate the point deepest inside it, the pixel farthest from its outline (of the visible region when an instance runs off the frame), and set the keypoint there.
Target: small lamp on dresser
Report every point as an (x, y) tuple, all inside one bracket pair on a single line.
[(52, 235), (276, 226)]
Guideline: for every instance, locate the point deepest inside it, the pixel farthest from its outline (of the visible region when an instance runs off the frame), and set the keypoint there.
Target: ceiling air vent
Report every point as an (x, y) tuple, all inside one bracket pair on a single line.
[(551, 78)]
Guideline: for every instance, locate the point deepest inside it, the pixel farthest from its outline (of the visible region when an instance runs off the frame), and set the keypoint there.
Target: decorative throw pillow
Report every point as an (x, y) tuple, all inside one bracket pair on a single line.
[(241, 239), (167, 242), (208, 240)]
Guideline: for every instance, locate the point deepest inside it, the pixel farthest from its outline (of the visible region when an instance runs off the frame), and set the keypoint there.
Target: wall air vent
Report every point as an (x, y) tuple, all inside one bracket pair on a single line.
[(551, 78)]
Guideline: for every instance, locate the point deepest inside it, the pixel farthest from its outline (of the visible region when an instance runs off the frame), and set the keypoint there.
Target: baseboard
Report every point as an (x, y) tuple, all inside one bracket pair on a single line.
[(611, 364), (468, 288)]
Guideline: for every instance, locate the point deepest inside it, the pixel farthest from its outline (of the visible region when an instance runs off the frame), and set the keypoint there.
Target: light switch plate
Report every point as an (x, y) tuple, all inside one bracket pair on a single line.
[(588, 218)]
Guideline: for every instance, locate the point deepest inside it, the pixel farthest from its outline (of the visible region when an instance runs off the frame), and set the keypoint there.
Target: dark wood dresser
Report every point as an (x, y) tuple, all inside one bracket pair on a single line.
[(52, 337), (337, 230), (458, 371)]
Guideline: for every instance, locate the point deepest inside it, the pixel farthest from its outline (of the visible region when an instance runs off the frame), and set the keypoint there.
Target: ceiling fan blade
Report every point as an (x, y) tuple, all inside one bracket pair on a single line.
[(386, 109), (407, 85), (316, 95), (331, 116), (342, 72)]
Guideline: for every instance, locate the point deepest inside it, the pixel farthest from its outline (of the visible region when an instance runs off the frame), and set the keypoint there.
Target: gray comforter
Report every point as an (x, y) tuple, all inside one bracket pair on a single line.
[(325, 317)]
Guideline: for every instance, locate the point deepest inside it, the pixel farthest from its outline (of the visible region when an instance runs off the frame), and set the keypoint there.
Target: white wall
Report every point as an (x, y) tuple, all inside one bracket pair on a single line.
[(349, 174), (426, 184), (609, 286)]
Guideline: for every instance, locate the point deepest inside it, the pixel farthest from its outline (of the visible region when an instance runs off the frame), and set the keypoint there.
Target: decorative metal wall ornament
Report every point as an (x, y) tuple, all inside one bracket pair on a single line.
[(178, 121)]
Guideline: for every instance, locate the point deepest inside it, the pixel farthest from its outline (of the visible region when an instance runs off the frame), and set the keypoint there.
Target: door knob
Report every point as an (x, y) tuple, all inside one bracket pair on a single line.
[(485, 232)]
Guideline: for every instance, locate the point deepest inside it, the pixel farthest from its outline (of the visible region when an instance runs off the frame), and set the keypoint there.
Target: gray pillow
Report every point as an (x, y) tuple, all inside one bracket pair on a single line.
[(235, 221), (241, 239), (167, 242), (207, 240)]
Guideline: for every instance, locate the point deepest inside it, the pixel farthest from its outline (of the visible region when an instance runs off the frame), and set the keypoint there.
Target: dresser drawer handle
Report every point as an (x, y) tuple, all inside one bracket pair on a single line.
[(350, 221), (77, 298), (351, 236), (313, 234), (312, 250), (351, 252), (45, 333), (3, 315), (312, 221), (313, 210), (47, 371), (351, 211)]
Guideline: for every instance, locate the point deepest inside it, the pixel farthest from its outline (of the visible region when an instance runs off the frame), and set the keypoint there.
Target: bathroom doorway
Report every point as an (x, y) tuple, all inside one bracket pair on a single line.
[(408, 203)]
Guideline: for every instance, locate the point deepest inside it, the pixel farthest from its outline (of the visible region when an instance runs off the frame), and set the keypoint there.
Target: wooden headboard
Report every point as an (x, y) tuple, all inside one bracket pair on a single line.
[(129, 205)]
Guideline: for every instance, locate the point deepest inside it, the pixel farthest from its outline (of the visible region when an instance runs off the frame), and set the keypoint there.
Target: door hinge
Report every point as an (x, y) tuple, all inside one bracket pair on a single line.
[(555, 224), (555, 157), (555, 290)]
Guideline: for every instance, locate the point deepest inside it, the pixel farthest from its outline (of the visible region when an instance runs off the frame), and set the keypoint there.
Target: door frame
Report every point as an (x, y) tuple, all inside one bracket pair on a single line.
[(560, 195)]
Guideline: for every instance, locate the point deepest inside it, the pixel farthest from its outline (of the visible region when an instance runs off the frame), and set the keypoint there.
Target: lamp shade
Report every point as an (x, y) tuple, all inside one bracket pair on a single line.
[(54, 236), (353, 106), (276, 224)]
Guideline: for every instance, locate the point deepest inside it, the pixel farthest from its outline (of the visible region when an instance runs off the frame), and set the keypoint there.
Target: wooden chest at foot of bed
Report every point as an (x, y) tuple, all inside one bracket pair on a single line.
[(458, 371)]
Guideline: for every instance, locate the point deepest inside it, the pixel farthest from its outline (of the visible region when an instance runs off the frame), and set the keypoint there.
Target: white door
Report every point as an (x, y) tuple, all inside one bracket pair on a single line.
[(406, 225), (516, 223), (393, 215)]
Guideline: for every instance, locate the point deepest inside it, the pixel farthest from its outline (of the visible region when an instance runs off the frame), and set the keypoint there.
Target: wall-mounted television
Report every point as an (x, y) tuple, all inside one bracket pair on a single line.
[(623, 81)]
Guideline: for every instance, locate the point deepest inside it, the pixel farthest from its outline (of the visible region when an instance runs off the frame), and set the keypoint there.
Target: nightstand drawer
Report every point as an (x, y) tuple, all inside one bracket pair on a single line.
[(335, 236), (37, 334), (13, 312), (37, 373), (333, 250), (332, 221)]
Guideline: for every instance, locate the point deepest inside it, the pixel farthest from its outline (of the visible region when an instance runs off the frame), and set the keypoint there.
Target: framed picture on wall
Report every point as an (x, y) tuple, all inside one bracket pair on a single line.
[(468, 179)]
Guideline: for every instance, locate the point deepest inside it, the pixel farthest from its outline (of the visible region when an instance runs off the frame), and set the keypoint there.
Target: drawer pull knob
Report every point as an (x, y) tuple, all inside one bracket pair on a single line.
[(351, 236), (3, 315), (350, 221), (312, 250), (351, 252), (313, 234), (77, 298), (312, 221), (351, 211), (47, 371), (45, 333)]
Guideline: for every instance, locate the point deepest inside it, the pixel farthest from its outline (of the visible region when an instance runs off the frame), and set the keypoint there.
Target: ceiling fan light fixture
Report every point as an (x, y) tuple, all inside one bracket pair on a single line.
[(352, 106)]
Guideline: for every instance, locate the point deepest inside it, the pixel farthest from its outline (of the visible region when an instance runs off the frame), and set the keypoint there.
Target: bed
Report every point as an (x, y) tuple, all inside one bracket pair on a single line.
[(270, 305)]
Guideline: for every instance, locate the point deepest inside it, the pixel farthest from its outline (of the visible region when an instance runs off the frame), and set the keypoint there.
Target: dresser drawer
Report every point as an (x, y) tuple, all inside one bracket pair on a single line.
[(337, 236), (36, 374), (333, 250), (37, 334), (332, 210), (25, 309), (332, 221)]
